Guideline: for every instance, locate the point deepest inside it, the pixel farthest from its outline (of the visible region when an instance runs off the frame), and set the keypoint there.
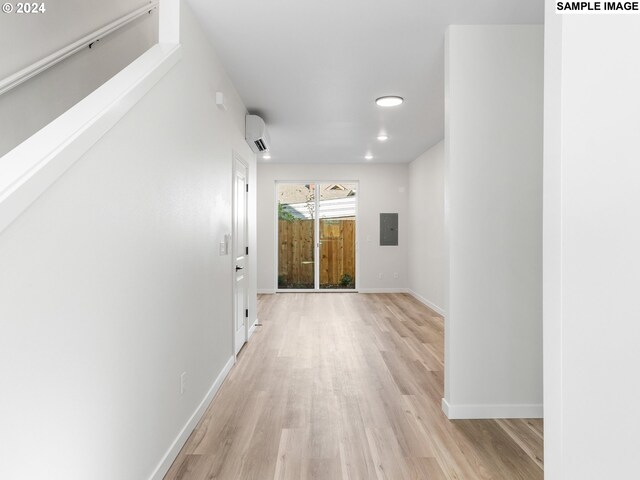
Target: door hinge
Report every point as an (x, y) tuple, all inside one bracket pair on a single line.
[(246, 313), (247, 188), (246, 251)]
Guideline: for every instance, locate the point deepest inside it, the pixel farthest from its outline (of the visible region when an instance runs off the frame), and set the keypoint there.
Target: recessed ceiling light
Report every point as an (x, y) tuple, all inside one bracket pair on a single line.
[(383, 138), (266, 156), (389, 101), (368, 156)]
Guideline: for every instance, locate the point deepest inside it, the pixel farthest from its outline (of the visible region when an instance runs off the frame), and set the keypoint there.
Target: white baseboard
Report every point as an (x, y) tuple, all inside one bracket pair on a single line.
[(424, 301), (459, 412), (169, 457), (252, 329), (382, 290), (266, 291)]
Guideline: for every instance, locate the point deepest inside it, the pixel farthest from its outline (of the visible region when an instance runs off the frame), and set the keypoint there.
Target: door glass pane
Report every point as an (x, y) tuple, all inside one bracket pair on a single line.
[(337, 225), (296, 217)]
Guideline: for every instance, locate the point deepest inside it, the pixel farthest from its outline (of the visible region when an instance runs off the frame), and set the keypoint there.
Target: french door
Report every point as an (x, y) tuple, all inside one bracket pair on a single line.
[(316, 235)]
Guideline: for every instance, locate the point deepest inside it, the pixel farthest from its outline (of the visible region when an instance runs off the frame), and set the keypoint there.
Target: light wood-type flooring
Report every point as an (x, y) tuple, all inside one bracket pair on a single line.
[(348, 386)]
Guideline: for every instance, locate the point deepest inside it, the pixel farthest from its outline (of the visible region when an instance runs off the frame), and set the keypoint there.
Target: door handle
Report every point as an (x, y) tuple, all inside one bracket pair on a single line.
[(239, 268)]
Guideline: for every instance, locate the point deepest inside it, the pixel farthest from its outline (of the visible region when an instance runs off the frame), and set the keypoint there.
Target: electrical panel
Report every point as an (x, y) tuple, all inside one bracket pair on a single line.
[(389, 229)]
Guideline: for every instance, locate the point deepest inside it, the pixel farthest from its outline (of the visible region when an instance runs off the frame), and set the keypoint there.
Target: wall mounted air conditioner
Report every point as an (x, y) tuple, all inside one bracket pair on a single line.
[(256, 134)]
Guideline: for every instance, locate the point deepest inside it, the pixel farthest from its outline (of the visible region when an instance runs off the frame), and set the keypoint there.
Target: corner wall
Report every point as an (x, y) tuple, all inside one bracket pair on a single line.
[(493, 152), (383, 189), (426, 228), (592, 233), (111, 286)]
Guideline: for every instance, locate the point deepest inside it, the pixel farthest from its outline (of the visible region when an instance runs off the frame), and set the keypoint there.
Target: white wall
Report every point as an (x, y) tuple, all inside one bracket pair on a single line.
[(426, 260), (592, 233), (493, 155), (111, 285), (382, 189), (25, 39)]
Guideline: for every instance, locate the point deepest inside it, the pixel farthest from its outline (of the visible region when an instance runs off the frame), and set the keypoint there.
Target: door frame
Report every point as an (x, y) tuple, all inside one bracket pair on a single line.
[(316, 234), (235, 156)]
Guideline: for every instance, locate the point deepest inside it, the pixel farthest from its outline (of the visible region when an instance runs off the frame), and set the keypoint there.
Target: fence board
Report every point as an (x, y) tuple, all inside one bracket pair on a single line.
[(295, 253)]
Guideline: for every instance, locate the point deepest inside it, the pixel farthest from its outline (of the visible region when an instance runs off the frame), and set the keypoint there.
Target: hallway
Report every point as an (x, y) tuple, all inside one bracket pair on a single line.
[(348, 386)]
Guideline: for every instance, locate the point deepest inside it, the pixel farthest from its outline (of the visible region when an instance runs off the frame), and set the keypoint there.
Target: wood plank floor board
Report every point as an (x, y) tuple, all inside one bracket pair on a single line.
[(348, 386), (386, 453), (499, 456), (290, 459), (193, 467), (355, 455), (425, 469), (526, 435)]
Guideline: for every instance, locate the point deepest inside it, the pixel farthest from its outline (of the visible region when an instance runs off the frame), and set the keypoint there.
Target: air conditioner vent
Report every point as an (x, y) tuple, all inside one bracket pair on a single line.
[(260, 145), (256, 134)]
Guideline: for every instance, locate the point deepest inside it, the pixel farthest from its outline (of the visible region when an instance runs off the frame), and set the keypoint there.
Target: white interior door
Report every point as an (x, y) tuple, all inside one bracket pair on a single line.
[(240, 246)]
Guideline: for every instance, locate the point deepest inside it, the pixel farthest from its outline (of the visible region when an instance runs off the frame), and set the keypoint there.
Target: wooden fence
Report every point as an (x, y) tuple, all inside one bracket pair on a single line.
[(337, 253)]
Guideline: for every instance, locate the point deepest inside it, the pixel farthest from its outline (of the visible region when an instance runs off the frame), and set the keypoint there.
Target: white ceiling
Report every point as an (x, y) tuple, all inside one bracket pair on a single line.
[(312, 69)]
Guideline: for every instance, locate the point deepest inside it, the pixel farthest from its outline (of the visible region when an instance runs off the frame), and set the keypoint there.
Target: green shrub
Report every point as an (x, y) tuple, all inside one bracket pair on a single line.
[(346, 280)]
